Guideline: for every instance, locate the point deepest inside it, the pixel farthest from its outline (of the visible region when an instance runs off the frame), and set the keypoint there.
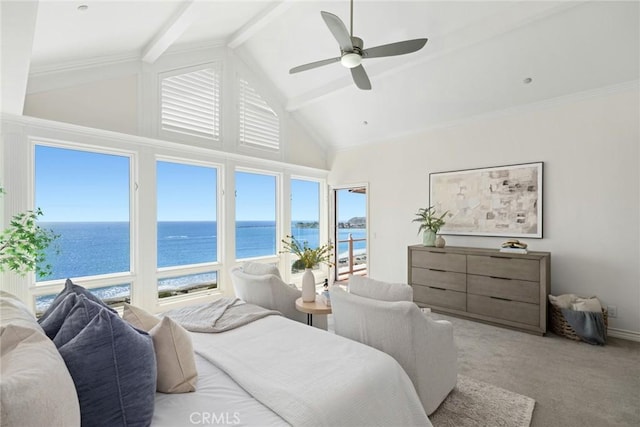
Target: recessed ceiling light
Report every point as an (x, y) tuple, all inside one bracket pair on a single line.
[(527, 80), (83, 7)]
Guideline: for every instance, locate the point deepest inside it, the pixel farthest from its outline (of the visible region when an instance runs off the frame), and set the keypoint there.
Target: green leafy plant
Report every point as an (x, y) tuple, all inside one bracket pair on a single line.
[(428, 219), (307, 256), (23, 244)]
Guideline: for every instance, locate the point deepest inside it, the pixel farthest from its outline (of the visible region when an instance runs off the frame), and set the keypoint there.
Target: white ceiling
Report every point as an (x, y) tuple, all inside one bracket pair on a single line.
[(478, 54)]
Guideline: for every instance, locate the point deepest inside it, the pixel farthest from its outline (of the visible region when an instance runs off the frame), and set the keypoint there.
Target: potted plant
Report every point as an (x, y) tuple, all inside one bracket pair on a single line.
[(430, 224), (23, 244), (309, 258)]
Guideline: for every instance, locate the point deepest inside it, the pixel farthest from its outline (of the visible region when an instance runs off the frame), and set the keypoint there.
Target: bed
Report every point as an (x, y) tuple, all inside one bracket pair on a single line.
[(274, 371), (269, 371)]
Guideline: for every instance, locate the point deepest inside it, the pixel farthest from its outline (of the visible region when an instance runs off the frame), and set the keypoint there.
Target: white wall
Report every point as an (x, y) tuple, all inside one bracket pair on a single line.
[(589, 146), (107, 104), (120, 97)]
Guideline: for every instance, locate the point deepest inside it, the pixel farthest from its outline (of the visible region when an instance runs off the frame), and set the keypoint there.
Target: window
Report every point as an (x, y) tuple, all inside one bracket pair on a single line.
[(84, 196), (180, 285), (114, 296), (305, 215), (259, 124), (187, 227), (255, 215), (190, 102)]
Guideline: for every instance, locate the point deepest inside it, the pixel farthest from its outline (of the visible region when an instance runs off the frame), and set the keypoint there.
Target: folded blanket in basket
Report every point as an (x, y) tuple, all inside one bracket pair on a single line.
[(589, 326)]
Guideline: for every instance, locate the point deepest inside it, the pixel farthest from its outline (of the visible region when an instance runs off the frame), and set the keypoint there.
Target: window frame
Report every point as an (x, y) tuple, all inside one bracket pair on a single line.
[(46, 287), (248, 145), (218, 67), (278, 213), (204, 267)]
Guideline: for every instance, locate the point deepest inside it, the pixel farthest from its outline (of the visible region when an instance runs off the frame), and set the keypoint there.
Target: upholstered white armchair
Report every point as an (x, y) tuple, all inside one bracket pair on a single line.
[(422, 346), (261, 284)]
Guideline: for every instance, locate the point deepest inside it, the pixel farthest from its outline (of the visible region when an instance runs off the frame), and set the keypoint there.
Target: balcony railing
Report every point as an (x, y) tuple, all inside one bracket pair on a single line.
[(354, 261)]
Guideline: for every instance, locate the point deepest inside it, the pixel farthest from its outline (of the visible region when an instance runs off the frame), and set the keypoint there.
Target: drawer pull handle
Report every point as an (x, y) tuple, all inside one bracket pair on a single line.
[(500, 278), (440, 289), (501, 299), (435, 269), (499, 257)]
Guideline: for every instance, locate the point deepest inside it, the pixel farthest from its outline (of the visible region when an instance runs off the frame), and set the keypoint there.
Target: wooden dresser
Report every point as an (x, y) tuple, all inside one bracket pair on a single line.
[(483, 284)]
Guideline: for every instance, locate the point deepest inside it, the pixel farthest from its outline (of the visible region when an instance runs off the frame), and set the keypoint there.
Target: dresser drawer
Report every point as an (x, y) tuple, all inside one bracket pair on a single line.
[(439, 261), (440, 297), (510, 268), (439, 279), (517, 290), (514, 311)]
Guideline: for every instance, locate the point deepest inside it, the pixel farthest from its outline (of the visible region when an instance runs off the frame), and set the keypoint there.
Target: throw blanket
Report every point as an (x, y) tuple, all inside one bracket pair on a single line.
[(588, 325), (218, 316), (310, 377)]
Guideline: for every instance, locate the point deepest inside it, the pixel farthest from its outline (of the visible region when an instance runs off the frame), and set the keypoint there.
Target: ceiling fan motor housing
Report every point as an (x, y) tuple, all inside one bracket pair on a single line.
[(353, 58)]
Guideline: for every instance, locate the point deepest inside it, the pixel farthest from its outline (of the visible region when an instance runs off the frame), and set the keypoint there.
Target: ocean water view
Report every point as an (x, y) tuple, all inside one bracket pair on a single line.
[(93, 248)]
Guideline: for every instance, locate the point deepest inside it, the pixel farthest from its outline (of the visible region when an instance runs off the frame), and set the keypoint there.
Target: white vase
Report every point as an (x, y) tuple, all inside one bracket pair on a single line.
[(308, 286)]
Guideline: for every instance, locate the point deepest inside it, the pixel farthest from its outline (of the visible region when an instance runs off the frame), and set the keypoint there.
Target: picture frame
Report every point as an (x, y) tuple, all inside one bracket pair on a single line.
[(499, 201)]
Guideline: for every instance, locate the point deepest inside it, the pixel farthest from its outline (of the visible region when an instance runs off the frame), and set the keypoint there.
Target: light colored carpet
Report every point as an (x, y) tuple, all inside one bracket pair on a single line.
[(475, 403)]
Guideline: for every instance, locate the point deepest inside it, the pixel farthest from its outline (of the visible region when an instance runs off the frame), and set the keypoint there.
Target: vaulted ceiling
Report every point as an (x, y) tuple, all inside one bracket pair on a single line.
[(476, 61)]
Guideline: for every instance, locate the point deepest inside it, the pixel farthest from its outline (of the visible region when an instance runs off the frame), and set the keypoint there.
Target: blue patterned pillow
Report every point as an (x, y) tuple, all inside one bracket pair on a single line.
[(71, 288), (112, 364)]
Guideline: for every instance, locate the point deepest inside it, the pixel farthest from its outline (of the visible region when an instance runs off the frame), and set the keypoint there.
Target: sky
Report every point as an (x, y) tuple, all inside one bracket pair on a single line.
[(76, 186)]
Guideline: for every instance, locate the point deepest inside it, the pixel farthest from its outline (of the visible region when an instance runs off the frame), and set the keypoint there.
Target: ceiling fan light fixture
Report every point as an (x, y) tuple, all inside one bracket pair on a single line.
[(351, 60)]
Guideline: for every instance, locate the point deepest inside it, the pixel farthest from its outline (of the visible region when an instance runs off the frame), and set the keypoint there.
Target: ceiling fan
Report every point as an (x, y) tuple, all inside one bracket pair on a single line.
[(352, 52)]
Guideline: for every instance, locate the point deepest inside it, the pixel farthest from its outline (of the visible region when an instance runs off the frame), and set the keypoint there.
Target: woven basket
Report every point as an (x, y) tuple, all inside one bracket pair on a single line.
[(559, 325)]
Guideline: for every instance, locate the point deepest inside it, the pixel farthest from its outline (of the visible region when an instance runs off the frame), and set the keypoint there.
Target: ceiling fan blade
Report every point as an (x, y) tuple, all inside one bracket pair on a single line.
[(339, 31), (360, 78), (312, 65), (392, 49)]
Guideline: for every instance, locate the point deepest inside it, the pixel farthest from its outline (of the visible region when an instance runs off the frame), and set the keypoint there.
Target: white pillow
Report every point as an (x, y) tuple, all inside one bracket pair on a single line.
[(175, 358), (14, 312), (259, 268), (563, 301), (35, 384), (587, 304), (375, 289)]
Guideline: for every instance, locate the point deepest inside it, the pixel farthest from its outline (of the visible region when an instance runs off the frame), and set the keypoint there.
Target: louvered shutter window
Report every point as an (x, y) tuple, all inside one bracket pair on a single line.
[(190, 103), (259, 124)]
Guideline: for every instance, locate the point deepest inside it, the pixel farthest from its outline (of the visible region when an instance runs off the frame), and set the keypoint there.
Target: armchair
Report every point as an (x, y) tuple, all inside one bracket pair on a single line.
[(256, 285), (422, 346)]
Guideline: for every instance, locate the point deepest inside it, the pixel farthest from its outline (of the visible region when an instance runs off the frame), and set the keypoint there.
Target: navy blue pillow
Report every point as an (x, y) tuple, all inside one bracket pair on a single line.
[(112, 365), (52, 323), (72, 288), (76, 318)]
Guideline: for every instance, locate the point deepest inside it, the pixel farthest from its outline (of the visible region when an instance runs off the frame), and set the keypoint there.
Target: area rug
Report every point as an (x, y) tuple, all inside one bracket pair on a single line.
[(475, 403)]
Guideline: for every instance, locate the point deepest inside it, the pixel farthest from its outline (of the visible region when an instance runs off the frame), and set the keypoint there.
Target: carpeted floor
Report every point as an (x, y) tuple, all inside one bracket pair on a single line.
[(574, 384), (473, 403)]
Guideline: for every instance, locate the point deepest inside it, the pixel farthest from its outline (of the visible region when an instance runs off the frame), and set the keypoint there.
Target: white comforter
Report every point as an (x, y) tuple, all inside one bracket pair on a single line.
[(311, 377)]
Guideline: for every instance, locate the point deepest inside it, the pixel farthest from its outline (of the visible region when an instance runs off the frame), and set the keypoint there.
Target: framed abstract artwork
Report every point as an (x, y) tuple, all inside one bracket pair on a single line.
[(495, 201)]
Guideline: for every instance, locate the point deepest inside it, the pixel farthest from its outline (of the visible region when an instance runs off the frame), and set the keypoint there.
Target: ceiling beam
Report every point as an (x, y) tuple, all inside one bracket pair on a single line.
[(171, 31), (17, 31), (258, 22)]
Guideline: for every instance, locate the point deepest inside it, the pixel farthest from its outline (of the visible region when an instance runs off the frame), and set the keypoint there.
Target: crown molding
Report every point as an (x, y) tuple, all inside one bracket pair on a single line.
[(81, 64)]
